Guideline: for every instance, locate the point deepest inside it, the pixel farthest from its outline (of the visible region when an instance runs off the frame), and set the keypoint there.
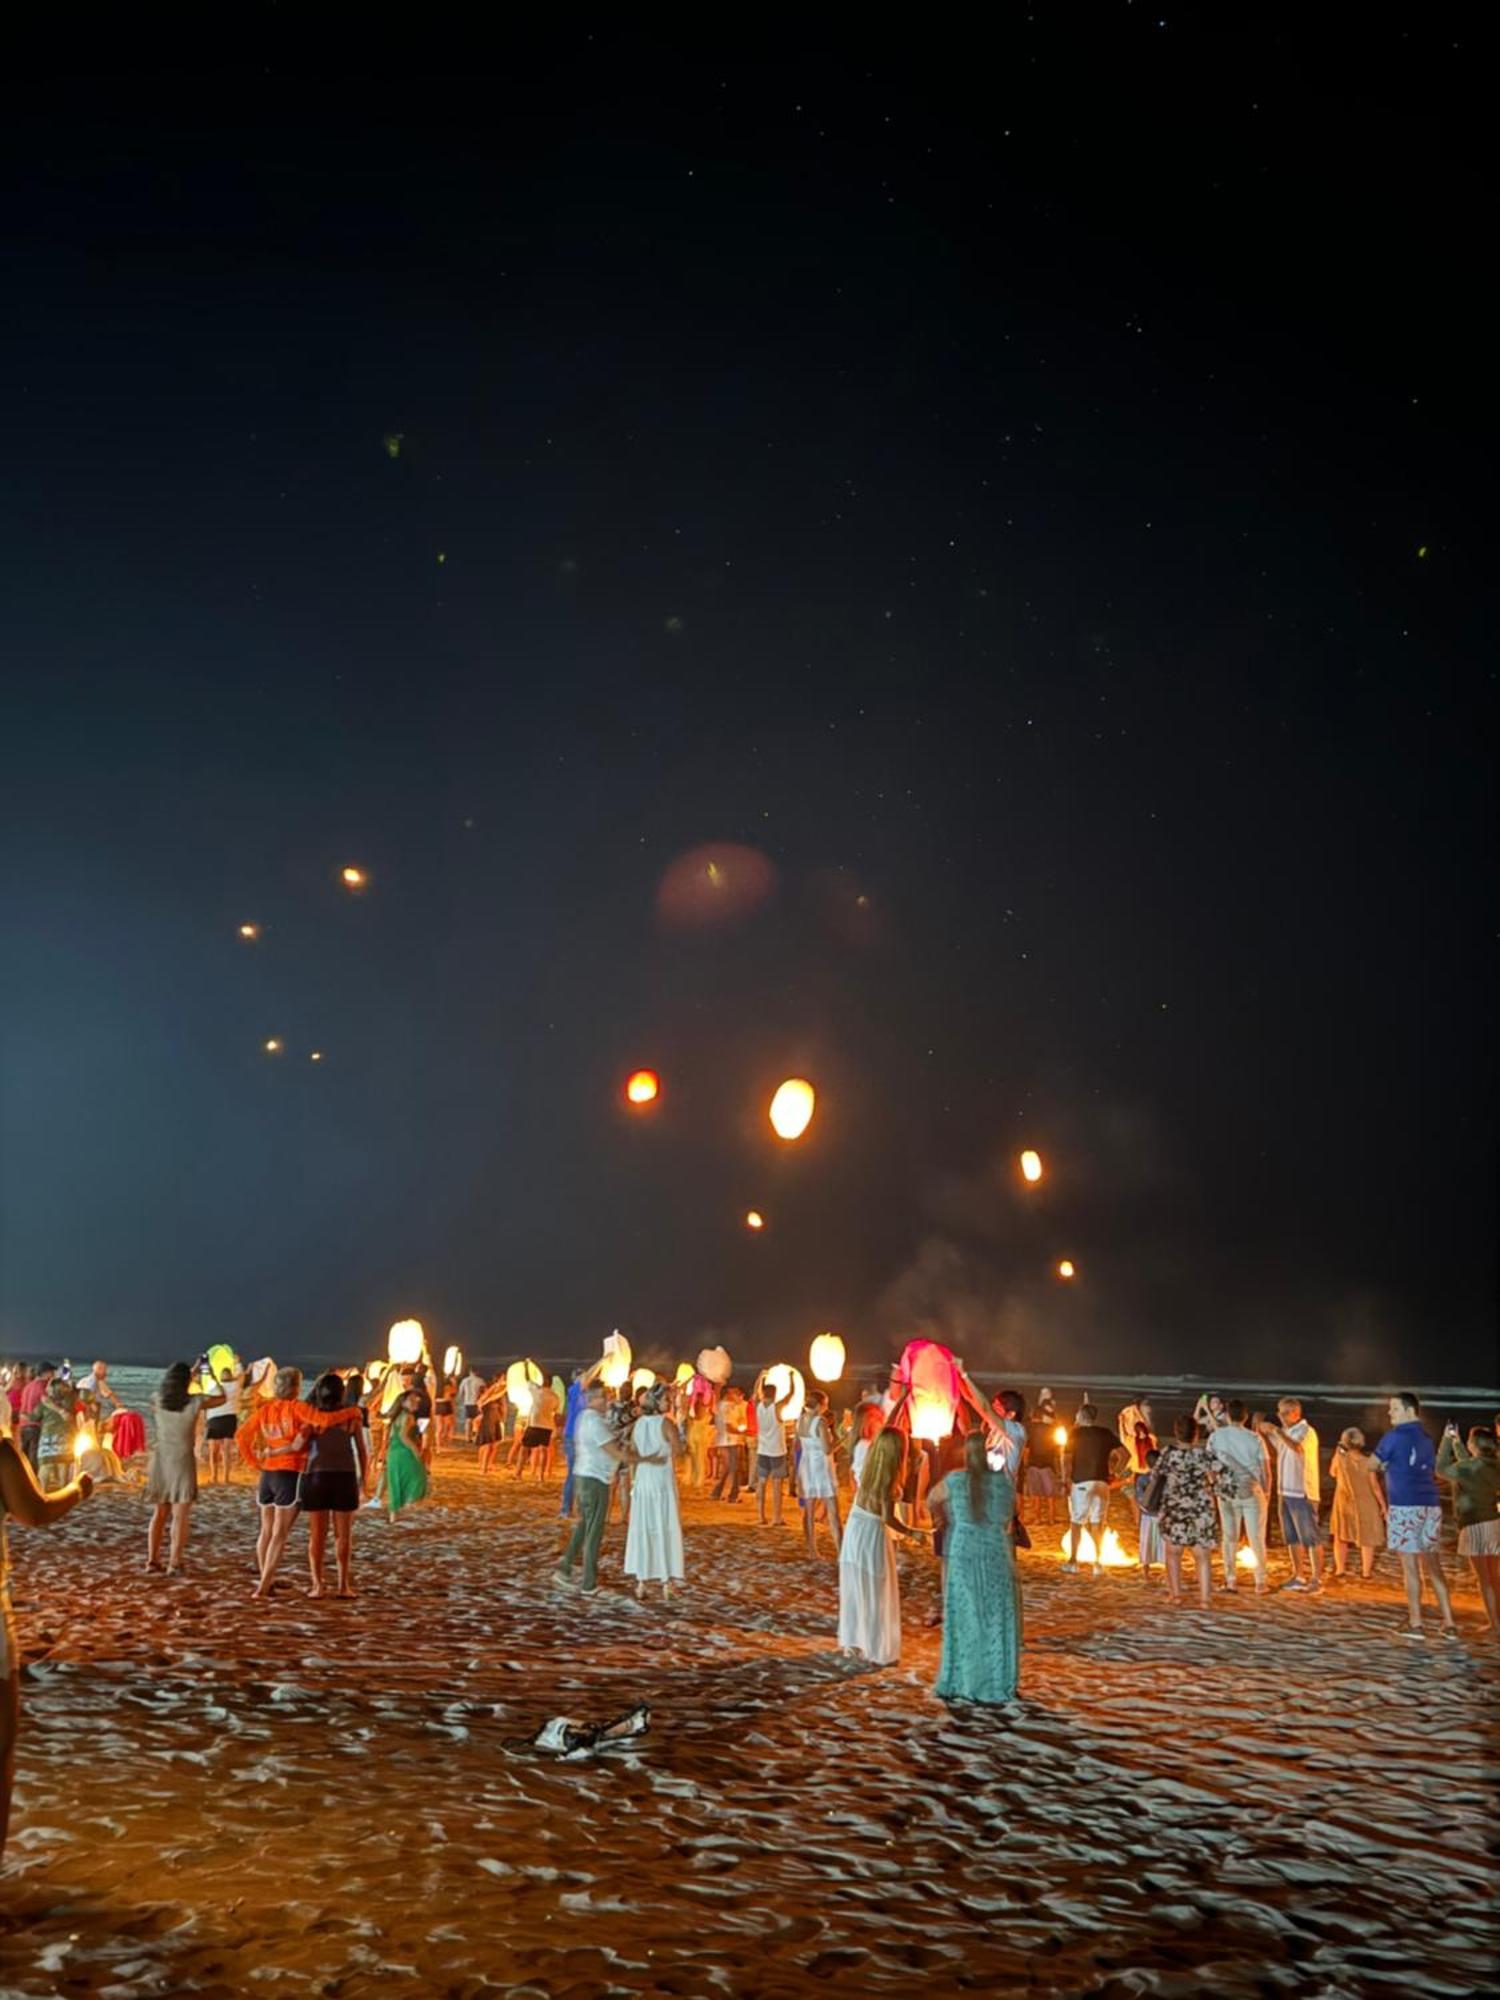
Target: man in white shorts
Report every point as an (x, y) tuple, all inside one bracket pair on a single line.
[(1091, 1451)]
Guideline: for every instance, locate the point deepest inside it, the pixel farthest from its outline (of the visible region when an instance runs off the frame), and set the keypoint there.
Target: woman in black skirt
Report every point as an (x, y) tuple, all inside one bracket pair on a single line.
[(331, 1483)]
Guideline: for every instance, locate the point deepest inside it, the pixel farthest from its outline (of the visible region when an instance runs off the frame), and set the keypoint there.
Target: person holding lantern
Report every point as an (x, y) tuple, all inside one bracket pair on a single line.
[(981, 1658), (770, 1450)]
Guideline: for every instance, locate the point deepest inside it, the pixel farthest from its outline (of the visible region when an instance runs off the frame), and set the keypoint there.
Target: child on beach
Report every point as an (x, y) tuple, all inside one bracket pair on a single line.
[(1150, 1544)]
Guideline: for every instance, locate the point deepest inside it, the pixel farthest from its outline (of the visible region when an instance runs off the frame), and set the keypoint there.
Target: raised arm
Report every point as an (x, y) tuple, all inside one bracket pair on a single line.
[(25, 1500)]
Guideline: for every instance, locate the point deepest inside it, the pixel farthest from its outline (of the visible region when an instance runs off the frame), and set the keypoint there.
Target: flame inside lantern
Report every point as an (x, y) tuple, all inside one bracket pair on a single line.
[(826, 1358), (522, 1380), (1031, 1165), (1067, 1268), (754, 1219), (787, 1382), (792, 1108), (643, 1086), (616, 1370), (932, 1375), (404, 1343), (453, 1361)]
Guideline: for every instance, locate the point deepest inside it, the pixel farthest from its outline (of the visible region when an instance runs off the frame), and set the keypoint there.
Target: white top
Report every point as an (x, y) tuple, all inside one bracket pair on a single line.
[(1243, 1456), (471, 1388), (857, 1461), (590, 1459), (1297, 1463), (1004, 1454), (770, 1431), (231, 1392)]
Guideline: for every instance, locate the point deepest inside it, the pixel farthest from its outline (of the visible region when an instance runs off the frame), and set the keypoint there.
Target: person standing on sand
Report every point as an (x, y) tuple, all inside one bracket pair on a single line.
[(1242, 1493), (1475, 1478), (1189, 1517), (330, 1484), (598, 1453), (1091, 1451), (770, 1452), (1295, 1444), (869, 1589), (734, 1418), (29, 1409), (172, 1478), (653, 1543), (981, 1658), (491, 1434), (1133, 1426), (21, 1499), (1358, 1517), (470, 1389), (536, 1439), (1414, 1516), (405, 1467), (815, 1476), (222, 1425), (1041, 1465)]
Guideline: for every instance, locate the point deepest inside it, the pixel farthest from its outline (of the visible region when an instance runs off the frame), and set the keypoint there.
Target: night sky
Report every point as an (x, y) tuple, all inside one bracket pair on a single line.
[(1029, 491)]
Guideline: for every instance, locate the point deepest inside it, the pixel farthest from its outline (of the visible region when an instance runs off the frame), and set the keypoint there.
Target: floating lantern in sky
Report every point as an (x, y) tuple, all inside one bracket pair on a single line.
[(714, 1365), (404, 1343), (643, 1378), (315, 1055), (250, 932), (788, 1383), (642, 1086), (354, 879), (932, 1375), (792, 1108), (274, 1045), (616, 1370), (826, 1358), (522, 1380), (1067, 1268), (754, 1219), (716, 884), (453, 1361), (1031, 1166)]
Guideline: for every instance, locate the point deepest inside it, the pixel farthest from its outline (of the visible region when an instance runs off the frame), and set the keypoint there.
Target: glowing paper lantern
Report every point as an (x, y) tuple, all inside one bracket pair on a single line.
[(220, 1356), (354, 879), (685, 1373), (643, 1087), (274, 1045), (715, 1366), (754, 1219), (616, 1370), (316, 1055), (1067, 1268), (826, 1358), (1031, 1165), (643, 1378), (792, 1108), (522, 1380), (262, 1374), (788, 1383), (453, 1362), (932, 1375), (392, 1390), (405, 1343), (717, 884), (250, 932), (373, 1372)]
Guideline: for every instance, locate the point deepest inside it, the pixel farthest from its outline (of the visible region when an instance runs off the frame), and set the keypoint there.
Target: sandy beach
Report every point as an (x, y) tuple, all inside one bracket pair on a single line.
[(318, 1798)]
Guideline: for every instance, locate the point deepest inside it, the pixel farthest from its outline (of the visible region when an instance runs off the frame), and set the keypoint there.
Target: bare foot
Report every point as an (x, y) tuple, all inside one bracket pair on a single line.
[(346, 1590), (319, 1592)]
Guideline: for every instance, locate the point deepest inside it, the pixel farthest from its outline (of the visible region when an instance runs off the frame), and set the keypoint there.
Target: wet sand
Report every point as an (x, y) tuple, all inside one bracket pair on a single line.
[(317, 1798)]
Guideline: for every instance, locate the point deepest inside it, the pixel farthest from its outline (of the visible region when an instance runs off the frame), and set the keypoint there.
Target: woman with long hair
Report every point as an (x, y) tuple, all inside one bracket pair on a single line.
[(23, 1499), (869, 1593), (817, 1483), (653, 1540), (172, 1479), (330, 1484), (405, 1470), (1475, 1477), (981, 1590), (271, 1443)]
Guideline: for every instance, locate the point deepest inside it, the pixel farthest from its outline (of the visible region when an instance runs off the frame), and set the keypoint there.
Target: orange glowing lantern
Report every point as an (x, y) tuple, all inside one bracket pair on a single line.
[(754, 1219), (1031, 1166), (250, 932), (354, 879), (930, 1371), (405, 1343), (1067, 1268), (274, 1045), (792, 1108), (1060, 1437), (615, 1372), (643, 1086), (826, 1358), (522, 1380), (789, 1386)]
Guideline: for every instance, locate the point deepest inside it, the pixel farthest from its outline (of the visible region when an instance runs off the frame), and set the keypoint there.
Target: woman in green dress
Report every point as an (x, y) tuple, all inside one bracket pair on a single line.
[(405, 1474), (981, 1590)]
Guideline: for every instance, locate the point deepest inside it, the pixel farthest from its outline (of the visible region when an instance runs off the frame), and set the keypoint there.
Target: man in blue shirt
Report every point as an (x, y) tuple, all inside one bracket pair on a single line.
[(1414, 1524), (572, 1411)]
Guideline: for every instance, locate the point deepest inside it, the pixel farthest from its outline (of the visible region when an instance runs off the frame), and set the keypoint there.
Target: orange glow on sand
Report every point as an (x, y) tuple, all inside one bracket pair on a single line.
[(1112, 1556), (643, 1087)]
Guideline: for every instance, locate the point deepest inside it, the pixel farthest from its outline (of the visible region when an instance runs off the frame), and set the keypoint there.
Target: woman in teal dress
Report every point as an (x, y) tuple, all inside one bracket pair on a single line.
[(405, 1474), (981, 1590)]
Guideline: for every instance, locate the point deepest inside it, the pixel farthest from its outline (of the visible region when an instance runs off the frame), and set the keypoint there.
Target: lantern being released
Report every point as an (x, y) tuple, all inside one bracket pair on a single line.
[(788, 1383), (1031, 1166), (715, 1366), (930, 1371), (685, 1373), (616, 1370), (1067, 1268), (354, 879), (792, 1108), (754, 1219), (643, 1378), (453, 1362), (826, 1358), (642, 1087), (405, 1343), (522, 1380)]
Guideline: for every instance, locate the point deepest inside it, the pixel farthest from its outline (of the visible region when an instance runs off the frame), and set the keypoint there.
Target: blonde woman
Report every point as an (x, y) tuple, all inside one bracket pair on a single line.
[(869, 1593)]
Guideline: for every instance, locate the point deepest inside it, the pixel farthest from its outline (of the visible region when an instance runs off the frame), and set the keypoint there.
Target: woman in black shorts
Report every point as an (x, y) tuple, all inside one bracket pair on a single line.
[(332, 1482)]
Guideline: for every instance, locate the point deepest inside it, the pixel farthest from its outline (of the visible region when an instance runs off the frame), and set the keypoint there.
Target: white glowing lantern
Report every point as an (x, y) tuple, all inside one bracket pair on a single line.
[(643, 1378), (453, 1361), (1031, 1165), (522, 1380), (373, 1372), (404, 1343), (616, 1370), (392, 1391), (787, 1382), (714, 1365), (792, 1108), (826, 1358)]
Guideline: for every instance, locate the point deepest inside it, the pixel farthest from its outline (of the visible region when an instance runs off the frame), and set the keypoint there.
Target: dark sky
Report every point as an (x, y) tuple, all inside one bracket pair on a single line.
[(1032, 486)]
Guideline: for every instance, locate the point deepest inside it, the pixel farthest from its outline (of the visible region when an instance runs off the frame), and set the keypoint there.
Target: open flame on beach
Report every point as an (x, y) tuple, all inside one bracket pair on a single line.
[(1111, 1556), (1245, 1559)]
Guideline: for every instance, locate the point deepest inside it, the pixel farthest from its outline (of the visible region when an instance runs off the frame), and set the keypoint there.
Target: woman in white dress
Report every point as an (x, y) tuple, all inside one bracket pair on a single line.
[(869, 1595), (816, 1484), (653, 1541)]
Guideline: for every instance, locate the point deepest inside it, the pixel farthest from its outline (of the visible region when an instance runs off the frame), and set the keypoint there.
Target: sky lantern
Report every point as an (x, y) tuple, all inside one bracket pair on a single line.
[(715, 1366), (453, 1361), (643, 1378), (1067, 1268), (522, 1380), (826, 1358), (787, 1382), (685, 1373), (273, 1045), (373, 1372), (616, 1370), (1031, 1166), (221, 1356), (405, 1343), (792, 1108), (354, 879), (931, 1372), (250, 932), (642, 1087), (754, 1219)]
